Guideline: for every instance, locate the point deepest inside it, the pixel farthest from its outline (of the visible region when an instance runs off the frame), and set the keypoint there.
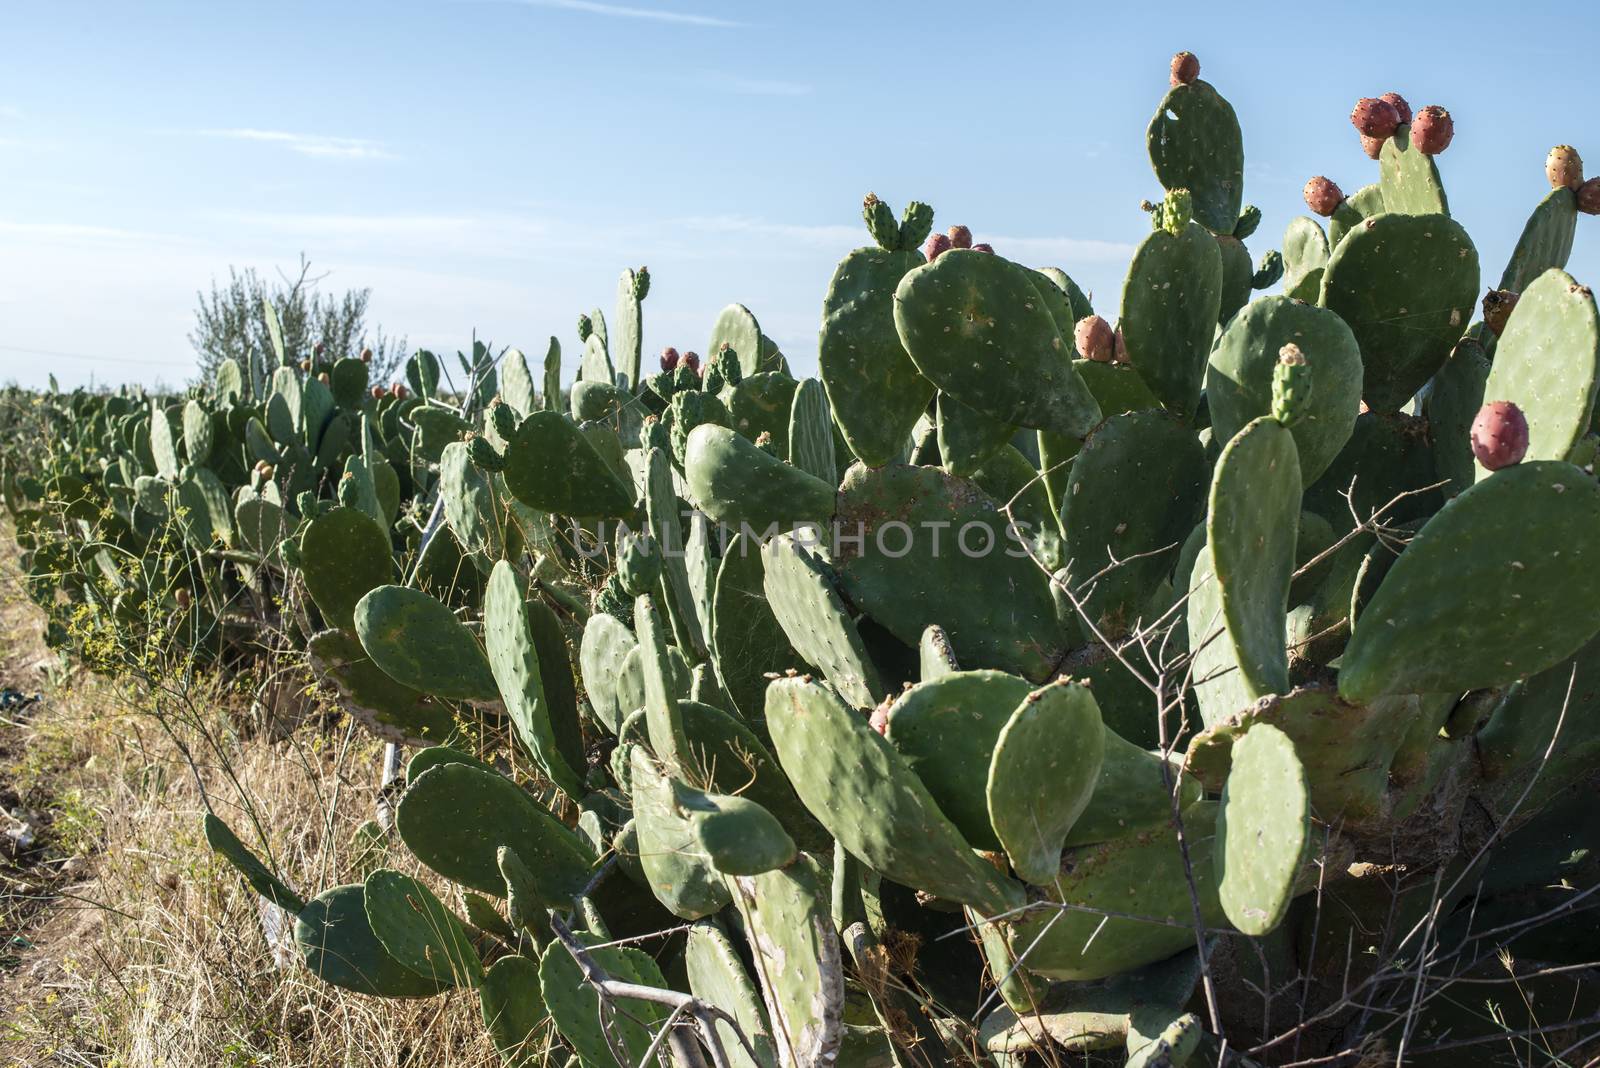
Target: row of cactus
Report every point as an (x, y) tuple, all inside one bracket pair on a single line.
[(1031, 679)]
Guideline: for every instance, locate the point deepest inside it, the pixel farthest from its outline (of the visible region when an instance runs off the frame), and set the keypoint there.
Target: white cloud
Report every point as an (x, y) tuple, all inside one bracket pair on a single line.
[(682, 18), (308, 144)]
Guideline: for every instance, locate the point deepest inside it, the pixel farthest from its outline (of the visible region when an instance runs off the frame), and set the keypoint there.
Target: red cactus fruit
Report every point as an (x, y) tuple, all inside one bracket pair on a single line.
[(669, 359), (1432, 130), (1185, 68), (1095, 339), (1398, 102), (1564, 167), (378, 392), (937, 246), (398, 392), (1374, 116), (1323, 196), (1499, 435), (880, 718), (960, 237), (1121, 347), (983, 246), (1372, 146), (1589, 197), (691, 360), (1497, 305), (366, 355)]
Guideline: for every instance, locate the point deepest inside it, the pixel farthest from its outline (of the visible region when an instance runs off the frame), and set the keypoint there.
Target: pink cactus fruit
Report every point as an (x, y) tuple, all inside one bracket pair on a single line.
[(1499, 435), (1094, 339), (1374, 117), (1432, 130), (1323, 196), (1185, 68)]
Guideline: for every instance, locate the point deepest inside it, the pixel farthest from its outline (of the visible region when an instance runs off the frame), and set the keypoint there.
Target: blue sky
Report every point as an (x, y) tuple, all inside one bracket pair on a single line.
[(492, 165)]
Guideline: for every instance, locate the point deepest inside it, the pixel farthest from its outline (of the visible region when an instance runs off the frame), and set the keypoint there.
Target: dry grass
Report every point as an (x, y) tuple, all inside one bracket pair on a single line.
[(129, 944)]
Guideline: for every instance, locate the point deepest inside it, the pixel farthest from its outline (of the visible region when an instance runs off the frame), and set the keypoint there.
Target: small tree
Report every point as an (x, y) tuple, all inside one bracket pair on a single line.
[(230, 323)]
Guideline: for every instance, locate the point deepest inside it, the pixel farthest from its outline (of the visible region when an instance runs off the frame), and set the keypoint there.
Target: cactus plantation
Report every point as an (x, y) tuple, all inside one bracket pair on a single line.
[(1207, 676)]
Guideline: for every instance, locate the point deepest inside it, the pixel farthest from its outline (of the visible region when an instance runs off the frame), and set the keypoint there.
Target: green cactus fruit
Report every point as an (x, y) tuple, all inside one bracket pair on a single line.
[(455, 818), (638, 561), (1240, 587), (1418, 633), (1135, 491), (1195, 144), (1291, 387), (550, 465), (975, 325), (1545, 242), (339, 947), (945, 730), (1136, 875), (418, 642), (1248, 220), (418, 931), (514, 660), (226, 844), (1263, 830), (869, 800), (676, 865), (344, 554), (802, 593), (1174, 1044), (1406, 285), (935, 656), (598, 1037), (1268, 271), (513, 1010), (916, 221), (968, 437), (737, 835), (688, 411), (717, 976), (1409, 178), (1547, 363), (1243, 367), (797, 961), (917, 546), (811, 434), (390, 710), (881, 222), (747, 640), (1171, 302), (1045, 769)]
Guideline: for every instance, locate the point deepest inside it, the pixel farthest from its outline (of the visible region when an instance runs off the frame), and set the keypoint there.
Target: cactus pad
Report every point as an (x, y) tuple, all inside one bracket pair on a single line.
[(344, 553), (800, 590), (1263, 830), (339, 947), (552, 466), (418, 931), (418, 642)]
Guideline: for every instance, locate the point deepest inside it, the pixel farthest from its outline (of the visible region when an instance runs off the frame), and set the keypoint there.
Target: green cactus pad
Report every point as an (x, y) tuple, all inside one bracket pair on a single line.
[(1195, 144), (204, 513), (425, 760), (800, 591), (736, 327), (976, 327), (663, 719), (418, 642), (1451, 404), (1546, 240), (470, 507), (717, 976), (1547, 363), (596, 363), (1364, 203), (737, 835), (736, 483), (259, 525), (552, 466), (1520, 542), (344, 554), (676, 866), (1406, 285), (436, 428), (629, 326), (1012, 481), (1387, 457), (339, 948), (1236, 277), (1263, 830), (1409, 178), (514, 660), (945, 730), (226, 844), (1133, 793), (513, 1010), (455, 817), (730, 758), (1135, 491), (1239, 376), (747, 640), (418, 931), (797, 962), (1136, 875), (1172, 1041), (863, 793), (197, 432), (575, 1006), (1170, 303), (391, 710), (1045, 768), (811, 436), (606, 645), (968, 437), (1236, 619), (874, 389), (905, 580), (349, 381), (1305, 256)]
